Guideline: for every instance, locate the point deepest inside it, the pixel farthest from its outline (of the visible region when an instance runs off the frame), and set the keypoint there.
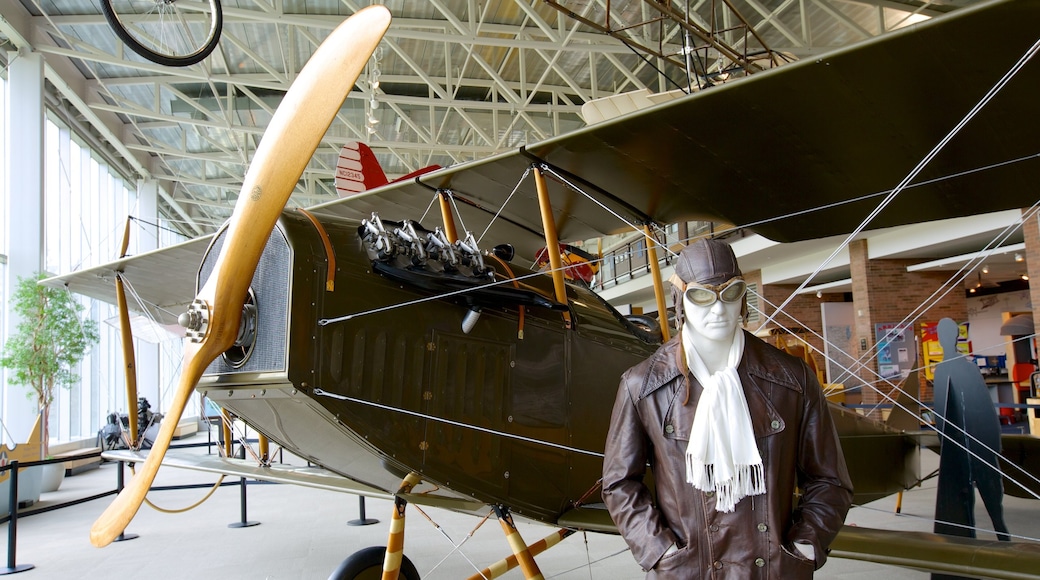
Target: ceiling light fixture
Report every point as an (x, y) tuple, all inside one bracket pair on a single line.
[(373, 82), (985, 269), (1025, 277), (1018, 257)]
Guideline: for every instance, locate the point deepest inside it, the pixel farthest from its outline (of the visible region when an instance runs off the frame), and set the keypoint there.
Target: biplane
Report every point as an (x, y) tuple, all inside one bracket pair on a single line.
[(399, 351)]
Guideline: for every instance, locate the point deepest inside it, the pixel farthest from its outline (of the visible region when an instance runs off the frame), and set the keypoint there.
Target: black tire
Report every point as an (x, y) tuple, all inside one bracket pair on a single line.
[(164, 17), (368, 564), (647, 325)]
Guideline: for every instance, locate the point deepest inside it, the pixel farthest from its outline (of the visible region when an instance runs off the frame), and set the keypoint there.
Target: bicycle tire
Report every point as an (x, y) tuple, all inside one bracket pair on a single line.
[(176, 60)]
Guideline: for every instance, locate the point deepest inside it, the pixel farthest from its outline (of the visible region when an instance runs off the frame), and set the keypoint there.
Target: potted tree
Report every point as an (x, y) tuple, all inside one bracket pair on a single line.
[(50, 340)]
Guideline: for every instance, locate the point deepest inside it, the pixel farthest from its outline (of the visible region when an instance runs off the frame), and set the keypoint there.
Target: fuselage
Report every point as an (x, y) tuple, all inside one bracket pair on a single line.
[(512, 412)]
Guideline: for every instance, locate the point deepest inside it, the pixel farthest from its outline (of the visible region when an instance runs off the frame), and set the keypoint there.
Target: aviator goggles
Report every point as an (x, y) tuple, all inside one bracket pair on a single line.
[(730, 291)]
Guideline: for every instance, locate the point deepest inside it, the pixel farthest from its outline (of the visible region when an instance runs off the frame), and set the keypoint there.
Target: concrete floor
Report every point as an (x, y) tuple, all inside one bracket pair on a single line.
[(304, 534)]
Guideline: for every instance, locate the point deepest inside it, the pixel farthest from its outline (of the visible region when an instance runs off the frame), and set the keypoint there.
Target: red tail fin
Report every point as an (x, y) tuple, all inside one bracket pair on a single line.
[(357, 170)]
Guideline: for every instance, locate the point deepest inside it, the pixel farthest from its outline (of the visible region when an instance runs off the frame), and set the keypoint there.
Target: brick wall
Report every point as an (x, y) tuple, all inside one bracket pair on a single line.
[(802, 315), (884, 292)]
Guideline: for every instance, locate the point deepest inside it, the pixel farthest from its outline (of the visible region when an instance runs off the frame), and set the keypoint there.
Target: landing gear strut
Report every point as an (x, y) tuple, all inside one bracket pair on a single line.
[(390, 563), (387, 563)]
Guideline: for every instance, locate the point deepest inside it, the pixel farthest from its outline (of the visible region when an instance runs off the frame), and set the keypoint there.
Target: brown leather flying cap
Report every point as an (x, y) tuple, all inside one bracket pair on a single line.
[(710, 262)]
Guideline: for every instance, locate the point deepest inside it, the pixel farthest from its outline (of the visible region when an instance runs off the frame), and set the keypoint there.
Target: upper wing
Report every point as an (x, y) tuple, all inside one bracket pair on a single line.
[(762, 151), (807, 135)]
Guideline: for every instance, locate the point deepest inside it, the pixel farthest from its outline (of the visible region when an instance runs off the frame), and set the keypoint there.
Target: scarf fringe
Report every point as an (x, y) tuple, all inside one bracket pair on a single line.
[(746, 480)]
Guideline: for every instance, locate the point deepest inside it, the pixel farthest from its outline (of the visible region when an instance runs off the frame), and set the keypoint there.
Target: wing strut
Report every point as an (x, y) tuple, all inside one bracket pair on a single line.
[(552, 242), (655, 269), (516, 543), (127, 338), (447, 217)]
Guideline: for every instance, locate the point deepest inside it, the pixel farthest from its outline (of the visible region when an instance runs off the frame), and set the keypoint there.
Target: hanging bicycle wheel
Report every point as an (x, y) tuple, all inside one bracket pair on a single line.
[(167, 32)]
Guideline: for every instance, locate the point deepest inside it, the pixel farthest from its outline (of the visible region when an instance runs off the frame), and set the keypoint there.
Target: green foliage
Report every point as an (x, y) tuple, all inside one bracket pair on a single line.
[(50, 340)]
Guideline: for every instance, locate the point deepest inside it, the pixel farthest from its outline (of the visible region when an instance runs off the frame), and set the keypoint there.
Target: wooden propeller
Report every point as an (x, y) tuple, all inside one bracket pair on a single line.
[(287, 146)]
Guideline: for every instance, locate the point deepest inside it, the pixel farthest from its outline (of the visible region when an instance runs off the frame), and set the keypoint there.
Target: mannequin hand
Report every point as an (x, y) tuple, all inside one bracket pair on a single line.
[(807, 550)]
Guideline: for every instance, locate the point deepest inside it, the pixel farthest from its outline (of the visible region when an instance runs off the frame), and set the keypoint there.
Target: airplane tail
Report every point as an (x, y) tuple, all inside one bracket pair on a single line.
[(358, 170)]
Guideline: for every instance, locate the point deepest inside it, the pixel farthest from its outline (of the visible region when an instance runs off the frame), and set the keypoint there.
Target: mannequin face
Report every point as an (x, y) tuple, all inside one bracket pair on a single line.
[(717, 321)]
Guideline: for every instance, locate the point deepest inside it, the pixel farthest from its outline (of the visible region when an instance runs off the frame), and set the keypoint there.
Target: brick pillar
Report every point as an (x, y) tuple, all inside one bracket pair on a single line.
[(863, 327), (884, 292)]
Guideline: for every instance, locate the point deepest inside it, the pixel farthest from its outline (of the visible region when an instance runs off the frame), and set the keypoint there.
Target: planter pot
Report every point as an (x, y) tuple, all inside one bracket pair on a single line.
[(28, 488), (52, 476)]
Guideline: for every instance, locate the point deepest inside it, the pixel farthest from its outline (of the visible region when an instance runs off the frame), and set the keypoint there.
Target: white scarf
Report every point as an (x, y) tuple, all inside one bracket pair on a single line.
[(722, 455)]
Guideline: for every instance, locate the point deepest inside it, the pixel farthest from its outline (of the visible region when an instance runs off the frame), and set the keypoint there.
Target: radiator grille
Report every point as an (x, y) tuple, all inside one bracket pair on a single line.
[(271, 285)]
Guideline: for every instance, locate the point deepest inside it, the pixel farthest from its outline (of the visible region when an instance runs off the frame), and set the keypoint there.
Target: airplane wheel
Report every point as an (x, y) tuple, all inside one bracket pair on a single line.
[(368, 564), (647, 324)]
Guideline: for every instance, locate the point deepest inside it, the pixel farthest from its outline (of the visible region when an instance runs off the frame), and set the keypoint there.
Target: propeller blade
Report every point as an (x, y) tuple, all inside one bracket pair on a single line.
[(288, 144)]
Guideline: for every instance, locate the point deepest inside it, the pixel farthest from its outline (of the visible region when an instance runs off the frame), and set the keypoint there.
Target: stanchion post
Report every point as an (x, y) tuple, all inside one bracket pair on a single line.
[(244, 522), (12, 526), (123, 536), (362, 520)]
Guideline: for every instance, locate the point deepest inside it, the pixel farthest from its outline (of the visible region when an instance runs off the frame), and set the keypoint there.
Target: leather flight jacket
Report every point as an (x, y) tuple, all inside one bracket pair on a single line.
[(650, 426)]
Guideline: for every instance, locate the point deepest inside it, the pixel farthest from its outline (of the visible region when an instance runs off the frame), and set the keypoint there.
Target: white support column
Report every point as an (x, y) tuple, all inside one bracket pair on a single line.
[(25, 209)]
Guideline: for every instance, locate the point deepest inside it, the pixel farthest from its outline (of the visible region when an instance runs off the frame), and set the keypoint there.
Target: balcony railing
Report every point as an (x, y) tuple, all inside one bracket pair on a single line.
[(631, 260)]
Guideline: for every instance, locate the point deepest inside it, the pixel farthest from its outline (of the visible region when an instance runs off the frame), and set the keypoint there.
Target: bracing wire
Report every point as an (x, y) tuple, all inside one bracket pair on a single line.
[(779, 309), (505, 204)]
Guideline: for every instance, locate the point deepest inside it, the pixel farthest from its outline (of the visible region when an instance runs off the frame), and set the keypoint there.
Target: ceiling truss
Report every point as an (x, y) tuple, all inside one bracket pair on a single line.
[(457, 79)]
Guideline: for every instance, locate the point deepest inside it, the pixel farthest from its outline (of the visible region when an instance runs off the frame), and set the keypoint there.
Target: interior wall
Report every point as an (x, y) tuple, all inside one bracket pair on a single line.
[(838, 323), (985, 318)]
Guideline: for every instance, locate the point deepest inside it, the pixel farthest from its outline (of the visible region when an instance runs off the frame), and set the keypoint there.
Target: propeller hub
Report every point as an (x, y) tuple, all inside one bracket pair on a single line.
[(239, 353), (195, 321)]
